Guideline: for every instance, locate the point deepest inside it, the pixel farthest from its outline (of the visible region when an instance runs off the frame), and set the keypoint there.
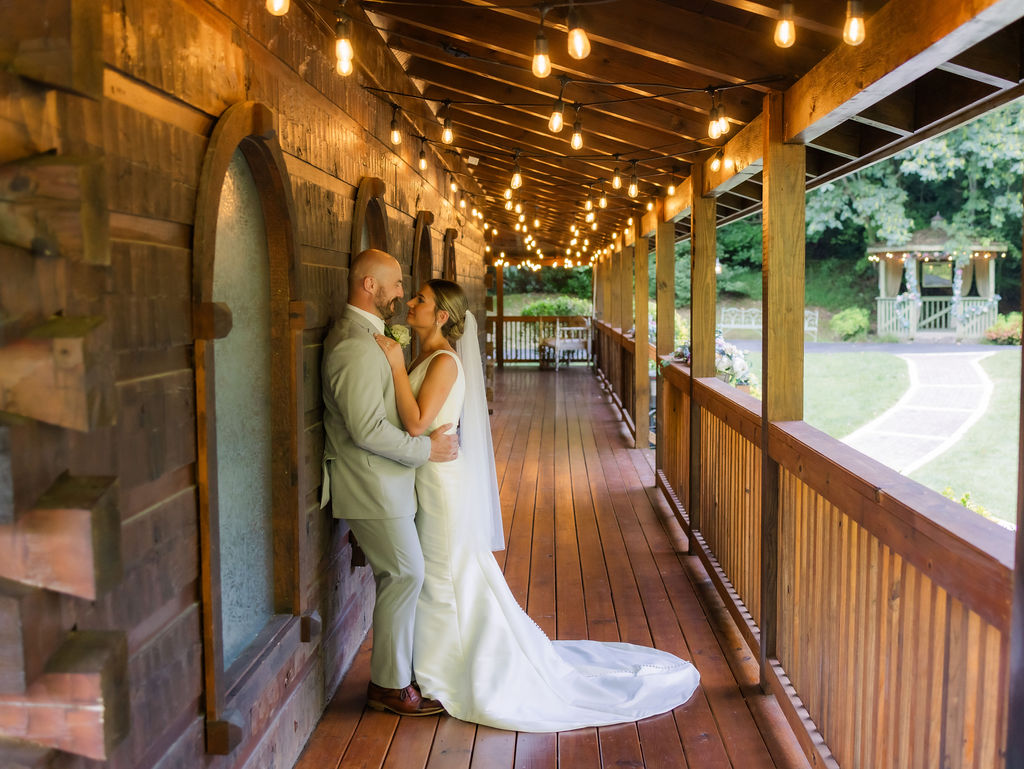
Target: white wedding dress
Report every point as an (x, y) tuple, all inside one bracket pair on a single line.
[(483, 657)]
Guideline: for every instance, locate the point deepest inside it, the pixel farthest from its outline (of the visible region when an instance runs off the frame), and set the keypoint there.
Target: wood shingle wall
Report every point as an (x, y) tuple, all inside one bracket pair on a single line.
[(106, 109)]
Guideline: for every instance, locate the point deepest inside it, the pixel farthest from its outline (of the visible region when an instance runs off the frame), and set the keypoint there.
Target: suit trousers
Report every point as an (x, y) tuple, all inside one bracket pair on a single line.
[(393, 549)]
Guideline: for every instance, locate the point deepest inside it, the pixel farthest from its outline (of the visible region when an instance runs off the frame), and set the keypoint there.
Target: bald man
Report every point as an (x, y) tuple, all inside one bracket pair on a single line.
[(369, 470)]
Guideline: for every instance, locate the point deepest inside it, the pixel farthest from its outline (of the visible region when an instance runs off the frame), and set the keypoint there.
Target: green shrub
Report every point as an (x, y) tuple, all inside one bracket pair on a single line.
[(1006, 330), (560, 305), (851, 323)]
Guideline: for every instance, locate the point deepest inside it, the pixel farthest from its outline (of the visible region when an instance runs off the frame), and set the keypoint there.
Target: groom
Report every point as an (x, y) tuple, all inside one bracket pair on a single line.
[(369, 473)]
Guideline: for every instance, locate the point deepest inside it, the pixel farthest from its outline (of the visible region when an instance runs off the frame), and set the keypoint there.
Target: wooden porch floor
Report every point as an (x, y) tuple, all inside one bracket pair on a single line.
[(592, 552)]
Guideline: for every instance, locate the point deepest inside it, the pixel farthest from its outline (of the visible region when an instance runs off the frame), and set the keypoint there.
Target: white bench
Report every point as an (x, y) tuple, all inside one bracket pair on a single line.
[(749, 319), (566, 339)]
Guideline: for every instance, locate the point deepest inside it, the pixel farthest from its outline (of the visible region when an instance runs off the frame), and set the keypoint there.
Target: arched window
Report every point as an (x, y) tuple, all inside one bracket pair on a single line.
[(370, 217), (422, 250), (248, 402)]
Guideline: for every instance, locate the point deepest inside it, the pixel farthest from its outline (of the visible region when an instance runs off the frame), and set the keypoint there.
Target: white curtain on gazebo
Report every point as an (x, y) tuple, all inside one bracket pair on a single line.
[(983, 276), (968, 278), (893, 277)]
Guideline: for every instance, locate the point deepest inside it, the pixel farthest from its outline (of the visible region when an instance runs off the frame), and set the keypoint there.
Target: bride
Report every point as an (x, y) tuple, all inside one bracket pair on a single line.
[(475, 649)]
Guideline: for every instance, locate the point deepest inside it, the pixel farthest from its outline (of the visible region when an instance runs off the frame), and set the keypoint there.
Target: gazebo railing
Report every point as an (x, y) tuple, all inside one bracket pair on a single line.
[(892, 610), (935, 314)]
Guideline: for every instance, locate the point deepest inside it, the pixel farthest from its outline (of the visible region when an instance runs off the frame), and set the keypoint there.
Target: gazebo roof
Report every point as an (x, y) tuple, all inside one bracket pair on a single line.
[(933, 240)]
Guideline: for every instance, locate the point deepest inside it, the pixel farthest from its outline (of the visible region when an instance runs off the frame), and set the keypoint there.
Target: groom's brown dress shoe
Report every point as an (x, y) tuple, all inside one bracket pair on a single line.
[(404, 702)]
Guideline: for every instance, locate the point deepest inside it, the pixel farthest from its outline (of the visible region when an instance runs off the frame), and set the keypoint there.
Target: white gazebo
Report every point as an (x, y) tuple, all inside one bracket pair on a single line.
[(932, 284)]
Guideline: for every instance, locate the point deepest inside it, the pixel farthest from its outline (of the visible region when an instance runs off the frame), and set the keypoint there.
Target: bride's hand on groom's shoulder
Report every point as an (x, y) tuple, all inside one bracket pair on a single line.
[(392, 349)]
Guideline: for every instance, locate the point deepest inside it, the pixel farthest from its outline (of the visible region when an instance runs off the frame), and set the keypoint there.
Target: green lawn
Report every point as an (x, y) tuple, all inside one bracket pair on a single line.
[(843, 391), (983, 463)]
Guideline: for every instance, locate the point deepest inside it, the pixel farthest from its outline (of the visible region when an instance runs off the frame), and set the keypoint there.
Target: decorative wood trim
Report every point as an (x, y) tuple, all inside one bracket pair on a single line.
[(449, 270), (370, 217), (422, 263), (251, 128), (70, 542)]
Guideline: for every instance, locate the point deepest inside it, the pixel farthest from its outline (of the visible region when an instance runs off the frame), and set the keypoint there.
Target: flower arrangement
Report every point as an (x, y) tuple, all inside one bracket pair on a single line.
[(730, 362), (400, 334)]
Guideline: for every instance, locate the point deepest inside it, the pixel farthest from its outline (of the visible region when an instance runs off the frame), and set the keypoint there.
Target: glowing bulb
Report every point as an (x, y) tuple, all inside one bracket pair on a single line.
[(423, 160), (714, 130), (716, 162), (454, 186), (557, 119), (396, 135), (508, 193), (462, 203), (593, 226), (519, 208), (617, 180), (541, 60), (344, 67), (853, 30), (447, 135), (629, 220), (536, 224), (579, 43), (343, 46), (518, 226), (723, 121), (577, 136), (785, 29), (650, 205), (278, 7), (508, 205), (517, 180), (602, 201), (634, 188), (522, 217), (589, 205), (590, 216), (672, 189)]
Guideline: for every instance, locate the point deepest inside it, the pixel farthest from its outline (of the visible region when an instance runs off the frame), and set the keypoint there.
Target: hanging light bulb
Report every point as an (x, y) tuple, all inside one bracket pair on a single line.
[(517, 175), (577, 133), (617, 178), (508, 193), (396, 135), (723, 120), (557, 119), (671, 188), (714, 130), (785, 29), (454, 186), (343, 44), (634, 183), (522, 217), (602, 201), (853, 30), (278, 7), (650, 205), (589, 217), (462, 202), (716, 162), (536, 223), (447, 136), (423, 156), (541, 59), (579, 43), (473, 212), (518, 226), (519, 207), (593, 226), (508, 205)]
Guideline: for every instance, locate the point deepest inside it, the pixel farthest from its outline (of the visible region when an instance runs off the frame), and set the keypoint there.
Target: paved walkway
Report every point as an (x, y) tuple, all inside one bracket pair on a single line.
[(949, 392)]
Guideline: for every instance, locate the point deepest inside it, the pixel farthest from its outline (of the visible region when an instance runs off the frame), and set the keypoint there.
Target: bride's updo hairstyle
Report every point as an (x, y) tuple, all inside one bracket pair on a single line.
[(450, 297)]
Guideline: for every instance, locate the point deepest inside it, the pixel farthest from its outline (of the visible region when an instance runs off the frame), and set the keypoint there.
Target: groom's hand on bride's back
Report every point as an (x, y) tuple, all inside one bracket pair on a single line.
[(444, 447)]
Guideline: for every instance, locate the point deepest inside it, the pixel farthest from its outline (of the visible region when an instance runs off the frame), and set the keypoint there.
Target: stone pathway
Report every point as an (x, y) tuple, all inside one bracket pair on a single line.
[(948, 393)]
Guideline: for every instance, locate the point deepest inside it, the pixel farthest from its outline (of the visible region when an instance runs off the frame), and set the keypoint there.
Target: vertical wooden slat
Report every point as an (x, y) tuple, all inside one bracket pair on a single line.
[(1015, 738)]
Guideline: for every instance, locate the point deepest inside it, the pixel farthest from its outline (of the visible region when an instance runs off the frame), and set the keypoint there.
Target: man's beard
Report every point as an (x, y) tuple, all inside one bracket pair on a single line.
[(386, 308)]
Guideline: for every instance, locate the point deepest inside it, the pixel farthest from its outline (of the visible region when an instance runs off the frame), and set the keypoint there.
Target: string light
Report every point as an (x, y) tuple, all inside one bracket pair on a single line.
[(602, 201), (716, 162), (589, 205), (536, 223), (723, 120), (617, 177), (396, 135), (517, 175), (672, 184), (714, 129), (343, 43), (508, 193), (634, 183), (278, 7), (423, 155), (557, 119), (579, 43), (853, 30), (785, 28), (541, 59), (577, 130)]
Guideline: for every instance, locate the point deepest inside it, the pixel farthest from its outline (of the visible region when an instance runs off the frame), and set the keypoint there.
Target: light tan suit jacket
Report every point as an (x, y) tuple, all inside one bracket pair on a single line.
[(369, 460)]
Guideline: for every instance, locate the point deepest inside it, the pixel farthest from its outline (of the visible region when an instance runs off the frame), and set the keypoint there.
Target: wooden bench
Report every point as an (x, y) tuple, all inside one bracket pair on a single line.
[(749, 319), (567, 338)]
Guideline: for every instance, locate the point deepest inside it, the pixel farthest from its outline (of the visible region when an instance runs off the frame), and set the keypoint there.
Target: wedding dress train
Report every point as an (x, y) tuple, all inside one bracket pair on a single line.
[(483, 657)]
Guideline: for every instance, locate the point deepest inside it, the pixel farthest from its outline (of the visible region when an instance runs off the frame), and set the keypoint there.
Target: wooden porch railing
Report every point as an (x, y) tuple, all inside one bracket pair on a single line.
[(521, 337), (892, 630)]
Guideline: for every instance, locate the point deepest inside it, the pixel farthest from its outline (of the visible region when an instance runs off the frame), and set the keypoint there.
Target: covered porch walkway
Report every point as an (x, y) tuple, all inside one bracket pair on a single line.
[(593, 552)]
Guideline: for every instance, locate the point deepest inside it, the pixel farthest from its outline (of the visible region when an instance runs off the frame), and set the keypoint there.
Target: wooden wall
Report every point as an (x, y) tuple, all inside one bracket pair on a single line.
[(105, 113)]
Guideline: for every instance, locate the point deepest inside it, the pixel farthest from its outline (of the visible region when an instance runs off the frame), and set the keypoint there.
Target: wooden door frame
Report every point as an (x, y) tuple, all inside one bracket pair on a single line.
[(251, 128)]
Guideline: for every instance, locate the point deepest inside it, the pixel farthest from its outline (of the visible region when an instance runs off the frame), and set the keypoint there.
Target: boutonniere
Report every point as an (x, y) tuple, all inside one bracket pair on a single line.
[(400, 334)]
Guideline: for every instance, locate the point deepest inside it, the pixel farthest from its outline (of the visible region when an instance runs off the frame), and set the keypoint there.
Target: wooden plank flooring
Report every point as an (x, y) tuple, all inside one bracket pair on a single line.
[(592, 552)]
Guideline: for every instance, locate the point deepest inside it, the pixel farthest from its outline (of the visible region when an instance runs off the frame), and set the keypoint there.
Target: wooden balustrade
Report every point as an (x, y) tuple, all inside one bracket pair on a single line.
[(521, 336), (894, 602)]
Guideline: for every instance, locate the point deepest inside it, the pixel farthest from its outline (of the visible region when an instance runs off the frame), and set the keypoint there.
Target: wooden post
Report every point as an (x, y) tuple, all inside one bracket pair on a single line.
[(641, 356), (665, 280), (702, 321), (1015, 735), (499, 320), (626, 319), (783, 334), (614, 290)]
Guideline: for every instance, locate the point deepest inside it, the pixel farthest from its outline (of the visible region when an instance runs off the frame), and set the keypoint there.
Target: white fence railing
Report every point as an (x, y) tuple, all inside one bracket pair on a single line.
[(749, 319), (904, 319)]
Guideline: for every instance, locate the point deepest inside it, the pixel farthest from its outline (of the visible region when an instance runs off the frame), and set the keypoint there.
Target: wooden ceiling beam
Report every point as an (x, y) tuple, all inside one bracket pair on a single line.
[(995, 61), (905, 40), (474, 32)]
